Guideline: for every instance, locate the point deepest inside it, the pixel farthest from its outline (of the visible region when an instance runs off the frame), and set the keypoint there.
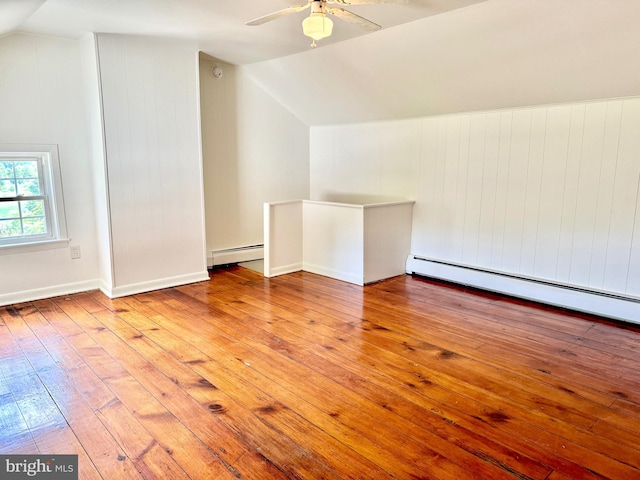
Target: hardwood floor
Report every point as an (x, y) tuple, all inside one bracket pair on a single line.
[(301, 376)]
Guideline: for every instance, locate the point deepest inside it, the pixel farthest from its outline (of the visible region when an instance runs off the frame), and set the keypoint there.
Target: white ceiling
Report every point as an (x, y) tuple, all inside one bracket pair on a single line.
[(492, 55), (431, 57), (218, 26)]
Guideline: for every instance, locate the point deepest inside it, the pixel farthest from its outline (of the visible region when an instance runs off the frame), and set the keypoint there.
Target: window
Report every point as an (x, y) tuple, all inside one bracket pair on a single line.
[(31, 206)]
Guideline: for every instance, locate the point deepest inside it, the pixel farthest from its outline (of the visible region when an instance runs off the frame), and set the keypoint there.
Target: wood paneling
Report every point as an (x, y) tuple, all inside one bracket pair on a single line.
[(153, 163), (42, 102), (548, 192), (301, 376), (254, 151)]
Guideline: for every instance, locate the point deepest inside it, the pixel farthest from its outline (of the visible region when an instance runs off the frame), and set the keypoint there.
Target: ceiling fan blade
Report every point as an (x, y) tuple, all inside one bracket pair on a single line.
[(364, 2), (278, 14), (350, 17)]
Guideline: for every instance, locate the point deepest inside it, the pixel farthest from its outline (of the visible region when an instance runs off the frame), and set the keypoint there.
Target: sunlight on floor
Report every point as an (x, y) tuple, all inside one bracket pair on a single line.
[(255, 265)]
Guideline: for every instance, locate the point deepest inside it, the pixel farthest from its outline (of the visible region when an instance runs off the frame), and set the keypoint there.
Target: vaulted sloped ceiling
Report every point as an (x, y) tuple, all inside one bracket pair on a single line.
[(431, 57), (495, 54), (217, 26)]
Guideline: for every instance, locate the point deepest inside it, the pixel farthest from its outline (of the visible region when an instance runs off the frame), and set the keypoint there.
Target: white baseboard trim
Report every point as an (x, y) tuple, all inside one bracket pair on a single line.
[(143, 287), (106, 289), (235, 255), (329, 272), (283, 270), (598, 303), (97, 284), (48, 292)]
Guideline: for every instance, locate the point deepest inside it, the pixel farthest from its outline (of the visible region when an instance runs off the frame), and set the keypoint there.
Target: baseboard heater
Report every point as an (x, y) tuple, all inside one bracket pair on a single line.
[(606, 304), (235, 255)]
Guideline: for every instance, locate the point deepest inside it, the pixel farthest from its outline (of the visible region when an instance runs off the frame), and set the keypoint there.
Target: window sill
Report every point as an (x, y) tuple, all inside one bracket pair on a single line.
[(33, 246)]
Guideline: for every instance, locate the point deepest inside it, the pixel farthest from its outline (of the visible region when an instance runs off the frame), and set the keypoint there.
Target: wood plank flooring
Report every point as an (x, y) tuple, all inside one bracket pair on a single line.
[(301, 376)]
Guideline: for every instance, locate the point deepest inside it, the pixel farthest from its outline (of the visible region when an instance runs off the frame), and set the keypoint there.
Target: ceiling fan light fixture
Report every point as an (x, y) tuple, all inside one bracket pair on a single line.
[(317, 26)]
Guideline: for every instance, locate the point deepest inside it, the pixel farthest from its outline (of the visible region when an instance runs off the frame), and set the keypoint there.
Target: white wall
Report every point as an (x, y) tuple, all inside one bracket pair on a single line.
[(254, 151), (130, 156), (549, 192), (365, 163), (153, 164), (91, 83), (41, 101)]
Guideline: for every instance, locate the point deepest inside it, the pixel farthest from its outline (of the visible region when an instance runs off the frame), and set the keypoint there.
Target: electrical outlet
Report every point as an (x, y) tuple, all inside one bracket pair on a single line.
[(75, 251)]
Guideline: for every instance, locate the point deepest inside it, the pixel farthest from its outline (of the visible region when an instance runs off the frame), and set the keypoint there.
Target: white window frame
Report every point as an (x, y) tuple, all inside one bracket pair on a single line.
[(56, 236)]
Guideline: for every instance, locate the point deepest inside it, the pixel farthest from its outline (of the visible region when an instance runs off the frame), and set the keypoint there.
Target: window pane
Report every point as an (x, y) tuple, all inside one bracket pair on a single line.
[(32, 208), (29, 187), (6, 169), (9, 210), (29, 210), (26, 169), (34, 226), (7, 188), (10, 228)]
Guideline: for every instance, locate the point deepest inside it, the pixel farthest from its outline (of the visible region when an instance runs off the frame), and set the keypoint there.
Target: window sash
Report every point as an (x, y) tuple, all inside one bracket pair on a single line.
[(23, 198), (38, 159), (46, 190)]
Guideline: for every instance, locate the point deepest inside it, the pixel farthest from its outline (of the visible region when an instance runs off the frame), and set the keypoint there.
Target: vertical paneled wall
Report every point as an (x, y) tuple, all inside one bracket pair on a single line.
[(153, 164), (96, 159), (42, 102), (254, 151), (548, 192)]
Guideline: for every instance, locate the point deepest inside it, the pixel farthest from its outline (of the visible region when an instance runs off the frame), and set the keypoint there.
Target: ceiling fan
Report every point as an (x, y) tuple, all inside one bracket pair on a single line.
[(317, 25)]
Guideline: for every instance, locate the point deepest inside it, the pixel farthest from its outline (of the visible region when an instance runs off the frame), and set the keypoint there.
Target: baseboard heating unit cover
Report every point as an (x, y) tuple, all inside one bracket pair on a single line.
[(606, 304), (235, 255)]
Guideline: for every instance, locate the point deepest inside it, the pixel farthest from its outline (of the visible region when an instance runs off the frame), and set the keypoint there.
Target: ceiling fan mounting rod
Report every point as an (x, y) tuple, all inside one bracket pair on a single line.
[(318, 6), (318, 25)]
